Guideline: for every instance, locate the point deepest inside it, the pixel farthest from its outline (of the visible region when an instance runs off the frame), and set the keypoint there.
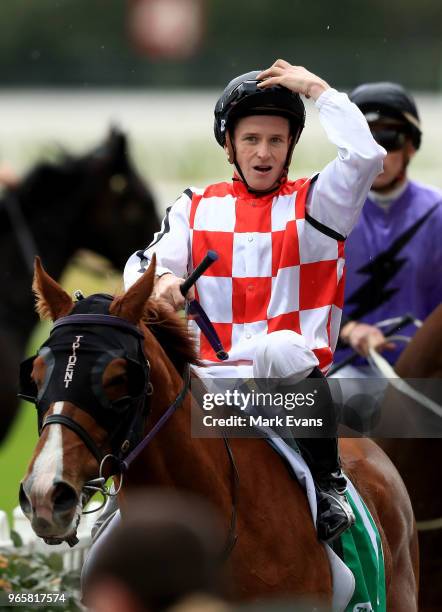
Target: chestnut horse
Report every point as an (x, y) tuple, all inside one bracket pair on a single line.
[(277, 551), (418, 461)]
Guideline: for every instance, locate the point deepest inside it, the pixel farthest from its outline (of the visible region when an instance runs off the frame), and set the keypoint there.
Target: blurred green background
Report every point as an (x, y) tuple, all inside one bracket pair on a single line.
[(84, 42), (69, 68)]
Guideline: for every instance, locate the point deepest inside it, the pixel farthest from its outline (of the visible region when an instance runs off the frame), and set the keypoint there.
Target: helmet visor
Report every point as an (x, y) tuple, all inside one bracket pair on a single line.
[(392, 139)]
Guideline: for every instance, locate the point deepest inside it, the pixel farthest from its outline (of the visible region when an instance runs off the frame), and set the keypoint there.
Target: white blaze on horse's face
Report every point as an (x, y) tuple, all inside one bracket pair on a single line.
[(48, 466), (50, 503)]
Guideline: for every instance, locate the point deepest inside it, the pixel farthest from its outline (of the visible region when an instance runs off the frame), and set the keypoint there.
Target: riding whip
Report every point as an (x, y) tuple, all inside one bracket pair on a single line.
[(197, 312)]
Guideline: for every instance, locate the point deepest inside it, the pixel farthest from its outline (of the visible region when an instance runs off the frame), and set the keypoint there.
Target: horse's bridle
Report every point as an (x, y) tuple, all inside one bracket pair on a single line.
[(140, 409), (25, 238), (123, 458)]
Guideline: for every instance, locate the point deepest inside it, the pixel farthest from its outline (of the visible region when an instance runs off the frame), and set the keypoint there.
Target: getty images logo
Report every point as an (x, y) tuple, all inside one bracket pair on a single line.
[(72, 360)]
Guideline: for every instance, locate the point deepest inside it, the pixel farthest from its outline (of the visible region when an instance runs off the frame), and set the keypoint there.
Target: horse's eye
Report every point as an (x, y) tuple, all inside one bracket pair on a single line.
[(116, 381), (132, 212), (116, 387), (38, 372), (118, 183)]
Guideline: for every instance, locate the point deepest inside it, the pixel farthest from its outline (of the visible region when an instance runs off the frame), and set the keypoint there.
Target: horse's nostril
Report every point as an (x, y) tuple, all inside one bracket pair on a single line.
[(64, 497), (24, 502), (41, 524)]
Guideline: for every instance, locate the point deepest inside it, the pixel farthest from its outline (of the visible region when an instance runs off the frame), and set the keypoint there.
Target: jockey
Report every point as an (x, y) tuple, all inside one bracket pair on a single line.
[(275, 293), (395, 247)]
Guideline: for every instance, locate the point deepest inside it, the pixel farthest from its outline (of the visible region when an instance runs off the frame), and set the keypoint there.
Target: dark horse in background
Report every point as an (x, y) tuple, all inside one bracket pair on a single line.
[(419, 459), (97, 202)]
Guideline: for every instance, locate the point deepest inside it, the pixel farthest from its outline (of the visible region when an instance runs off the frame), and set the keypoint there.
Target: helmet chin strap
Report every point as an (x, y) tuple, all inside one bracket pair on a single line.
[(231, 156), (399, 178)]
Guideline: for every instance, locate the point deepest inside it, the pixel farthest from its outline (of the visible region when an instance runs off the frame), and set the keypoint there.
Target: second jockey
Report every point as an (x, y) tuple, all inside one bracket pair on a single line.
[(395, 247), (275, 295)]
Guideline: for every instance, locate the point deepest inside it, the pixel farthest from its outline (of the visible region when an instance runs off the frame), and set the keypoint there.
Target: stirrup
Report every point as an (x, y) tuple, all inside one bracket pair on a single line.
[(334, 515)]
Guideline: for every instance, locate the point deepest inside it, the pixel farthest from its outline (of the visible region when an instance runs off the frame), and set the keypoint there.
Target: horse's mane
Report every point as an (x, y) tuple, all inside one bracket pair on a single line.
[(172, 333)]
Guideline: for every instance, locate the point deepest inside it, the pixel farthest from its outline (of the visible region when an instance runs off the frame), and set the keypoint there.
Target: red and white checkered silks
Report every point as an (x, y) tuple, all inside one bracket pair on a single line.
[(275, 270)]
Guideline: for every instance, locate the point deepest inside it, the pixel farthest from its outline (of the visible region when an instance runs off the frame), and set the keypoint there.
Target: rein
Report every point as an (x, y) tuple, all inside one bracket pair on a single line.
[(99, 484), (21, 229), (123, 462), (232, 536), (160, 423), (392, 325), (380, 364)]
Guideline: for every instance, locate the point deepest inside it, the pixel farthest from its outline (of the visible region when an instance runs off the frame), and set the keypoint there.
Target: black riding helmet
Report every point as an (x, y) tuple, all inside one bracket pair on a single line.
[(242, 97), (391, 100)]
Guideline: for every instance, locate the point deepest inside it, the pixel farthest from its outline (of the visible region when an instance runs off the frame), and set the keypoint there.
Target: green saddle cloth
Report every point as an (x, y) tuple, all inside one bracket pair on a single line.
[(360, 548)]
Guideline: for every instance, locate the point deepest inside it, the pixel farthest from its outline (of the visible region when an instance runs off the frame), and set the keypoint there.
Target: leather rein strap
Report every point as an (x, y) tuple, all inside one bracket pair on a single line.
[(110, 320), (232, 536), (125, 464), (160, 423), (25, 238)]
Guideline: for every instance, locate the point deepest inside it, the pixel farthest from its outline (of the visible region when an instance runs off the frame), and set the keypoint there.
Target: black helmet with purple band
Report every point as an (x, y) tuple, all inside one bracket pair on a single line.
[(243, 97)]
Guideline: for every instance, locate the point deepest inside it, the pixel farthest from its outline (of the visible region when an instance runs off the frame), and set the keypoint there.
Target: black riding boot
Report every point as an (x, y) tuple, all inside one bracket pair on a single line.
[(334, 512), (322, 457)]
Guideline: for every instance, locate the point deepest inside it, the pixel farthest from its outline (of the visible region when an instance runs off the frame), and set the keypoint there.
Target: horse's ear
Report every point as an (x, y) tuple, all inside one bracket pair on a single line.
[(118, 145), (52, 302), (131, 305)]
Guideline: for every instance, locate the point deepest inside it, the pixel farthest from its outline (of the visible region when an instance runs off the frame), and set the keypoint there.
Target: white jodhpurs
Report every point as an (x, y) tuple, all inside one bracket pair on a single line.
[(283, 355)]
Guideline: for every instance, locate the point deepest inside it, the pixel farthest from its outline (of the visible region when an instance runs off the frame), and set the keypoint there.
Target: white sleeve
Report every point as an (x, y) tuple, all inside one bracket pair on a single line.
[(171, 244), (336, 198)]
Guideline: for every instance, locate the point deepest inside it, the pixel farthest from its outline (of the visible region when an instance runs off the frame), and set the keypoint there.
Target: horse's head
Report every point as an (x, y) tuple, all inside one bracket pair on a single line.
[(95, 201), (89, 382), (121, 211)]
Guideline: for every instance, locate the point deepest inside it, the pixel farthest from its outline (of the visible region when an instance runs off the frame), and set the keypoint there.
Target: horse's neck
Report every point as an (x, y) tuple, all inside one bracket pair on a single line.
[(17, 312), (55, 245), (175, 458), (422, 358)]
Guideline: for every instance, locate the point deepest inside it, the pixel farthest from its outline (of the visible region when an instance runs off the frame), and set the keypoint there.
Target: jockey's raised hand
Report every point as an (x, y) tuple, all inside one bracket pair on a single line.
[(167, 288), (362, 336), (296, 78)]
